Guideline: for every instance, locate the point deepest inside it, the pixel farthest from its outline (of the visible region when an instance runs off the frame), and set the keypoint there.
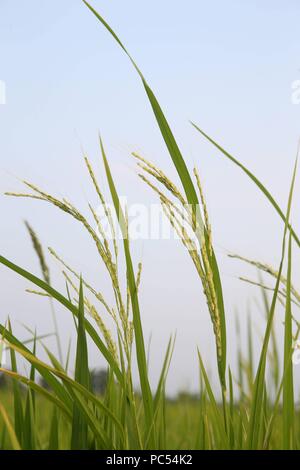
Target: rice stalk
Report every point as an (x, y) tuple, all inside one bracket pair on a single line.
[(179, 214)]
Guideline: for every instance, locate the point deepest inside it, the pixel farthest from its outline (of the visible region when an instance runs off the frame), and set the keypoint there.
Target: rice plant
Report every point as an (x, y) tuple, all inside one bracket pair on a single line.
[(249, 411)]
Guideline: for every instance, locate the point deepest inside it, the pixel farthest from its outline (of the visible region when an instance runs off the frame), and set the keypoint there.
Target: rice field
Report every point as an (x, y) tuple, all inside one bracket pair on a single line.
[(255, 406)]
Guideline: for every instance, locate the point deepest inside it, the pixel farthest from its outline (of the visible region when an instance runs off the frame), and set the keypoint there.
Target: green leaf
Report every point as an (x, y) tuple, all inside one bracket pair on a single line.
[(138, 330), (52, 381), (258, 393), (40, 390), (79, 439), (231, 411), (188, 186), (78, 393), (29, 434), (18, 405), (72, 308), (161, 121), (253, 178), (164, 372), (215, 408), (54, 432), (288, 383), (11, 433)]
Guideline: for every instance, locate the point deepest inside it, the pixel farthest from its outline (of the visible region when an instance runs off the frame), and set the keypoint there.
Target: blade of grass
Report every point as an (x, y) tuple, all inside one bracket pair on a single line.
[(78, 393), (164, 371), (275, 352), (189, 189), (215, 408), (253, 178), (270, 425), (32, 370), (29, 435), (256, 405), (40, 390), (72, 308), (231, 411), (79, 439), (161, 120), (288, 386), (160, 398), (18, 405), (54, 432), (10, 429), (50, 379), (42, 368), (250, 369), (138, 330)]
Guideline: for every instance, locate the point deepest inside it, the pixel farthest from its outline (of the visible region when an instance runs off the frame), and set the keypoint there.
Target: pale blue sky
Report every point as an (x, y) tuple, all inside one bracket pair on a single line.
[(228, 66)]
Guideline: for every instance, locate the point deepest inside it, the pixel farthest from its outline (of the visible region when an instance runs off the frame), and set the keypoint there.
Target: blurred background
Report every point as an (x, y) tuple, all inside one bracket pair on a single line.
[(228, 66)]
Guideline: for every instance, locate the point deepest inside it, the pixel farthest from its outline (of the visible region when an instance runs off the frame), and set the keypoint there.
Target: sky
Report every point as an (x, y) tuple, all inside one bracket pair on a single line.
[(228, 66)]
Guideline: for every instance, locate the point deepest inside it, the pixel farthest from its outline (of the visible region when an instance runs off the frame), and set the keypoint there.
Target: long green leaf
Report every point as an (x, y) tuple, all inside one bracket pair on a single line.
[(18, 405), (138, 330), (50, 379), (288, 386), (10, 429), (54, 432), (72, 308), (257, 402), (166, 132), (40, 390), (29, 435), (262, 188), (79, 439), (187, 184), (42, 367), (215, 408)]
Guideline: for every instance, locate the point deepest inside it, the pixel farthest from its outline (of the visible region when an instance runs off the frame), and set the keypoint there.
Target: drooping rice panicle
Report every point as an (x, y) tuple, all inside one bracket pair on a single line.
[(183, 235), (163, 197), (201, 254), (161, 177), (101, 231)]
